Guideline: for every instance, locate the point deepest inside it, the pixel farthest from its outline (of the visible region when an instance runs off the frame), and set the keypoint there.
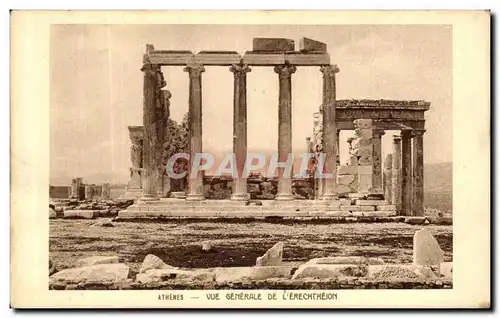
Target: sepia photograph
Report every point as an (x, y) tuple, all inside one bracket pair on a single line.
[(189, 156), (251, 161)]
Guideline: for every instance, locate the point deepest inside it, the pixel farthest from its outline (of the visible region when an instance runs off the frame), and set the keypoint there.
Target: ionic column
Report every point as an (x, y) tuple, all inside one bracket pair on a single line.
[(240, 129), (163, 113), (153, 81), (285, 72), (396, 172), (406, 182), (329, 130), (195, 189), (387, 182), (418, 172), (136, 134), (377, 160)]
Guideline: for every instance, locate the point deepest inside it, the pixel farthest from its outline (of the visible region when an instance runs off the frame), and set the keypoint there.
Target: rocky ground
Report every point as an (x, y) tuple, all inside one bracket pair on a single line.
[(179, 243)]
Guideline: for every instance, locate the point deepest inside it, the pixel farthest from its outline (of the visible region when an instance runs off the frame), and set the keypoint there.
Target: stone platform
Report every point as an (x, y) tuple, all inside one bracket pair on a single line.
[(180, 208)]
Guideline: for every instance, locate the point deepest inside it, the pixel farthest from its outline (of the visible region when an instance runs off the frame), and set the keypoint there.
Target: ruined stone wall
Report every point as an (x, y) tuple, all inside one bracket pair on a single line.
[(259, 188), (59, 192), (356, 175)]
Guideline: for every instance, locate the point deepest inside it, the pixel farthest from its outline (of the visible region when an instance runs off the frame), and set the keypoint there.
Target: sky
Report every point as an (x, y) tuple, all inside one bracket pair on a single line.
[(96, 87)]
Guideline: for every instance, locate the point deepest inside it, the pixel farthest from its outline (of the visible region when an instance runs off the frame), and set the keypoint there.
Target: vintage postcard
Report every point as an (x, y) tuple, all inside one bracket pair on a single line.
[(250, 159)]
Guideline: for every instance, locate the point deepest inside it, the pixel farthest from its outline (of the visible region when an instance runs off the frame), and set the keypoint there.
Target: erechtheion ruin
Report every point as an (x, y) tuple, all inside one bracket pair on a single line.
[(361, 186)]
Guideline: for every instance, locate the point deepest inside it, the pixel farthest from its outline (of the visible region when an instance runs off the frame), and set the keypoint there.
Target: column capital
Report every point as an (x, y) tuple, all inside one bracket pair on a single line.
[(396, 138), (194, 69), (329, 70), (406, 133), (418, 132), (285, 70), (377, 133), (240, 69), (151, 68)]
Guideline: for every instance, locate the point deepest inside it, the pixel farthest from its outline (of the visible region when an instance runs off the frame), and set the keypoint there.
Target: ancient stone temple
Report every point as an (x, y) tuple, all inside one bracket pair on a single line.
[(401, 181), (354, 189)]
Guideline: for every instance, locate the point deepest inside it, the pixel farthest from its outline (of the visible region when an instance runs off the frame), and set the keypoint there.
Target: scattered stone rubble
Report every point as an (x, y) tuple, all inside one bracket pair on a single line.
[(349, 272), (72, 208), (273, 257)]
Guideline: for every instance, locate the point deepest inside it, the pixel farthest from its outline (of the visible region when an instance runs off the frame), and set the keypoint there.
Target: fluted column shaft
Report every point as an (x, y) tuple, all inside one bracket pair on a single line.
[(285, 72), (396, 173), (195, 191), (153, 82), (418, 172), (329, 130), (406, 180), (377, 160), (240, 129)]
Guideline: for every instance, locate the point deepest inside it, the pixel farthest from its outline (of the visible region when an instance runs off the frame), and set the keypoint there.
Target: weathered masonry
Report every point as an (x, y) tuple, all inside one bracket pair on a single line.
[(402, 183), (368, 120)]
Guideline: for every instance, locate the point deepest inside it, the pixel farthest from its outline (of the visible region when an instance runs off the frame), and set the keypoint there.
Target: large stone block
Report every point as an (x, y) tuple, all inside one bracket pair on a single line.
[(426, 249), (364, 183), (231, 274), (84, 214), (371, 202), (170, 57), (307, 59), (329, 271), (337, 214), (96, 273), (96, 260), (264, 59), (310, 45), (217, 57), (366, 208), (347, 170), (365, 169), (273, 257), (160, 275), (345, 179), (343, 189), (52, 214), (386, 207), (400, 272), (273, 44), (153, 262), (353, 208), (347, 260)]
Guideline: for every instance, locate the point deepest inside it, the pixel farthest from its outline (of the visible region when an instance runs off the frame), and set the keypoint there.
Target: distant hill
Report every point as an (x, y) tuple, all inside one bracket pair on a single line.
[(438, 177), (438, 186)]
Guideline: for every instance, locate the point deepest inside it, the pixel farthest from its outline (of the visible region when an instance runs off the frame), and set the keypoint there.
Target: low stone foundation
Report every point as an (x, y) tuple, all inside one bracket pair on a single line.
[(175, 208)]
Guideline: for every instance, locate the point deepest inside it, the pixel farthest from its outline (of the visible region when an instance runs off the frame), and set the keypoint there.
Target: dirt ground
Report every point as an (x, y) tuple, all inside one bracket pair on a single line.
[(178, 242)]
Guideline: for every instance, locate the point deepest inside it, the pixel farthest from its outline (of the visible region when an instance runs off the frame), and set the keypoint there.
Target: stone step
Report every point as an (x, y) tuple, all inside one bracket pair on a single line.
[(183, 202), (248, 214), (244, 208)]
